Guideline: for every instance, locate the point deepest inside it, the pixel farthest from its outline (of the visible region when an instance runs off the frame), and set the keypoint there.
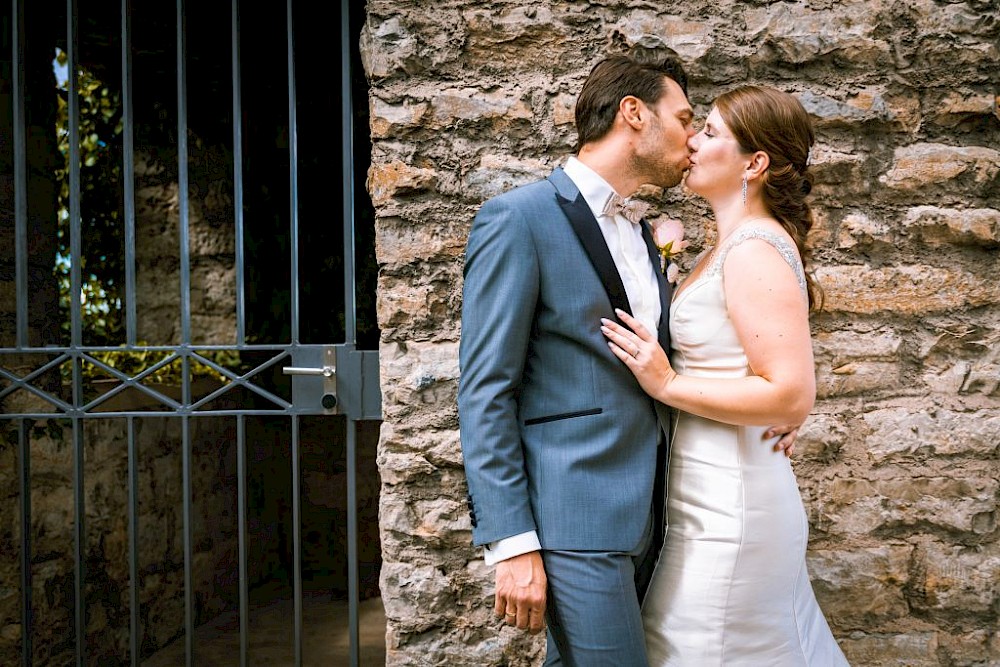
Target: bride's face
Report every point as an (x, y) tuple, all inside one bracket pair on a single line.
[(717, 161)]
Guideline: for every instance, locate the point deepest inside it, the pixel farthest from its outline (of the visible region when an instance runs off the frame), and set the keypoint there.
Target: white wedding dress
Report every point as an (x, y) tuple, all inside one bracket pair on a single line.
[(731, 586)]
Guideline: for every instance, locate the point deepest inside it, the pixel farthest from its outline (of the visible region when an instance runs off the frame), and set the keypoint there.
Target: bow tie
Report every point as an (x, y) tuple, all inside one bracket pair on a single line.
[(630, 209)]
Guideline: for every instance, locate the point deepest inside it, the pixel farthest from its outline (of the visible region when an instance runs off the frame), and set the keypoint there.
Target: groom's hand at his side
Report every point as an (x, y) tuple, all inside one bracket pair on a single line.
[(521, 589)]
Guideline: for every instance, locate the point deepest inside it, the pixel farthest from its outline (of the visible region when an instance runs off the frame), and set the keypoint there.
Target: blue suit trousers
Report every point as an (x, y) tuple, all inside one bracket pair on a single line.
[(594, 615)]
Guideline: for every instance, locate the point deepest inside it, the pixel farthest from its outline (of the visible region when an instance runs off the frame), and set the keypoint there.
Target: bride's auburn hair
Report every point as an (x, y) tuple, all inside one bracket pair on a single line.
[(772, 121)]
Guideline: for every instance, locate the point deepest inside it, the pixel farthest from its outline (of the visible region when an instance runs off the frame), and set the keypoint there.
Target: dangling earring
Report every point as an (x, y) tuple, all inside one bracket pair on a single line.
[(744, 192)]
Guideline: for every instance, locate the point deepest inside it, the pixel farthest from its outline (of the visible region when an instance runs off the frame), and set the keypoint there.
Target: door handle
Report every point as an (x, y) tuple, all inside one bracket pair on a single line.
[(325, 371), (329, 375)]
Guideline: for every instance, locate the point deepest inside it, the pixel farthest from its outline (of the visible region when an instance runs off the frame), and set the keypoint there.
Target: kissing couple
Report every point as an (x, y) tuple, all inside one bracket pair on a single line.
[(626, 441)]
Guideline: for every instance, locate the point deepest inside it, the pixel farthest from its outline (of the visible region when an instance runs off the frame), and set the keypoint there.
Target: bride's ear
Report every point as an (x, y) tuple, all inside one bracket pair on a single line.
[(759, 162)]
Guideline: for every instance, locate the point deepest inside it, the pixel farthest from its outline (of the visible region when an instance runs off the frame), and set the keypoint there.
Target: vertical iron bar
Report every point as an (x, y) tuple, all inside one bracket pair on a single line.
[(188, 556), (296, 541), (128, 173), (241, 499), (79, 536), (76, 332), (352, 540), (20, 177), (347, 155), (133, 543), (24, 454), (350, 324), (238, 176), (182, 177), (76, 258), (293, 164), (185, 287)]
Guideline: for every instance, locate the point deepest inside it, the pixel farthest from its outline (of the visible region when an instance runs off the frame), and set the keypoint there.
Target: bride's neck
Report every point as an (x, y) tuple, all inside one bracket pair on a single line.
[(732, 214)]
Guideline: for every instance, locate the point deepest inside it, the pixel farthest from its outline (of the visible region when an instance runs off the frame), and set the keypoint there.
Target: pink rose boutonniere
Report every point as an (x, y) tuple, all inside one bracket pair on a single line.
[(668, 236)]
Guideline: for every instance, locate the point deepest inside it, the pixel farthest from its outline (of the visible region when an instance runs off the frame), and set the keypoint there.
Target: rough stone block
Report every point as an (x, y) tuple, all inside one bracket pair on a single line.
[(420, 383), (422, 309), (971, 649), (957, 105), (518, 37), (857, 228), (828, 111), (820, 438), (499, 108), (856, 506), (848, 363), (890, 109), (420, 593), (424, 523), (905, 289), (956, 578), (821, 234), (689, 38), (432, 235), (386, 181), (388, 47), (919, 166), (913, 649), (857, 377), (394, 120), (961, 358), (838, 176), (948, 43), (498, 173), (797, 34), (397, 468), (903, 434), (861, 586), (431, 448), (564, 109), (954, 226)]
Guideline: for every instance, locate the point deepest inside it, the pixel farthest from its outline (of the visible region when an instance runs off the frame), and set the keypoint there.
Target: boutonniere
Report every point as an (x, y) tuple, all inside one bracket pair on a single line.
[(668, 237)]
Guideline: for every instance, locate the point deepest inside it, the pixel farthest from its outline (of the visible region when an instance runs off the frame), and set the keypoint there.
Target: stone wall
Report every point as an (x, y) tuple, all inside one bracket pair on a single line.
[(898, 465), (210, 248), (106, 554)]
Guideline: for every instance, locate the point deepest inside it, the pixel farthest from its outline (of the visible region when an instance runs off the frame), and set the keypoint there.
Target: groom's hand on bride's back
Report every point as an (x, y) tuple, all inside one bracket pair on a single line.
[(520, 595), (788, 436)]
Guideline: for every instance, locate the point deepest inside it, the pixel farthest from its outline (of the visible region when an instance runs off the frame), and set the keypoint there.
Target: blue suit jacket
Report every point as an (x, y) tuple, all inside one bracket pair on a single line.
[(557, 436)]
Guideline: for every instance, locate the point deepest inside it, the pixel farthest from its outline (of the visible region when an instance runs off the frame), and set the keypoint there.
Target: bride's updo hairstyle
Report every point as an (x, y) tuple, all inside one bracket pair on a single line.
[(772, 121)]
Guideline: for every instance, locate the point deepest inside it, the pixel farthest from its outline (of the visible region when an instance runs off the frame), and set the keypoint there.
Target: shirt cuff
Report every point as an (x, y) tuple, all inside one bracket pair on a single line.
[(508, 547)]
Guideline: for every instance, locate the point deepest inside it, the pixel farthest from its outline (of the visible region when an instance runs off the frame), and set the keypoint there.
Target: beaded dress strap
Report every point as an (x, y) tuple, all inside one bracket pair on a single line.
[(784, 248)]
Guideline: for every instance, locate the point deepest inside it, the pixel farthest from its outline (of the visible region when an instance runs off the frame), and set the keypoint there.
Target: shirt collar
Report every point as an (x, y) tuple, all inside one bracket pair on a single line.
[(595, 190)]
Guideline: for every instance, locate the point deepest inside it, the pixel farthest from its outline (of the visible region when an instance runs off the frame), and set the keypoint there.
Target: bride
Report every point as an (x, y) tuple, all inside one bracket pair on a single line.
[(731, 586)]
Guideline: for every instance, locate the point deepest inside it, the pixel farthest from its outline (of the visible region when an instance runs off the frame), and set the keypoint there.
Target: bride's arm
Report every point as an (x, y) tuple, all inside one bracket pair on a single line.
[(769, 312)]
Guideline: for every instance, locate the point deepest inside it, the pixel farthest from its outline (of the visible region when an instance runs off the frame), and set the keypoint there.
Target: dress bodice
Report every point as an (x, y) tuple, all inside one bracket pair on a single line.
[(704, 341)]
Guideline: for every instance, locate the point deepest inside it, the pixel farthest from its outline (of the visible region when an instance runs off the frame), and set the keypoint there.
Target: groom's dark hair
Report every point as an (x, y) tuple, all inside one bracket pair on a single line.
[(640, 73)]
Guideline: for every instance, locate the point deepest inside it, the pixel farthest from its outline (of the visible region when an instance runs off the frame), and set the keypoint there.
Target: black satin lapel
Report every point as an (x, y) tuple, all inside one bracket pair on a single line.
[(666, 289), (587, 230)]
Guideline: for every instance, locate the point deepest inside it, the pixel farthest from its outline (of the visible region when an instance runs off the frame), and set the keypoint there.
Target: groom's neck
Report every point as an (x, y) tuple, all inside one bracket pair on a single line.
[(611, 161)]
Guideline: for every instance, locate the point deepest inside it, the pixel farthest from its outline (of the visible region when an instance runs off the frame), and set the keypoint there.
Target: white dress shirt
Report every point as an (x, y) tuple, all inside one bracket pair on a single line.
[(638, 274)]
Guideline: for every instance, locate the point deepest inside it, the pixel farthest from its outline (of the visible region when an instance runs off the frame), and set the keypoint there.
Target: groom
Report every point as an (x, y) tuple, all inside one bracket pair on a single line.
[(564, 453)]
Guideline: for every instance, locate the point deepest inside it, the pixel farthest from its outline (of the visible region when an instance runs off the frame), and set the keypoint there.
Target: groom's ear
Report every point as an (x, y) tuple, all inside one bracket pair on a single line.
[(633, 111)]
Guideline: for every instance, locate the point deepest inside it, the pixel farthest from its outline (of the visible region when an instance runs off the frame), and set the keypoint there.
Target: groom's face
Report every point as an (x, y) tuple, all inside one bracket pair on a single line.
[(663, 151)]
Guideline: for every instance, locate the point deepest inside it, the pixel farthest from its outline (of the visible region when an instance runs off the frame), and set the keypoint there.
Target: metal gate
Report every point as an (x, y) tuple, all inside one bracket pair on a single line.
[(48, 374)]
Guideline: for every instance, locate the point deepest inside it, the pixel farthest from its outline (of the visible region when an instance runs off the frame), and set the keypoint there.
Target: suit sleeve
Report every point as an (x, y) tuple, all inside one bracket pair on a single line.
[(498, 305)]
